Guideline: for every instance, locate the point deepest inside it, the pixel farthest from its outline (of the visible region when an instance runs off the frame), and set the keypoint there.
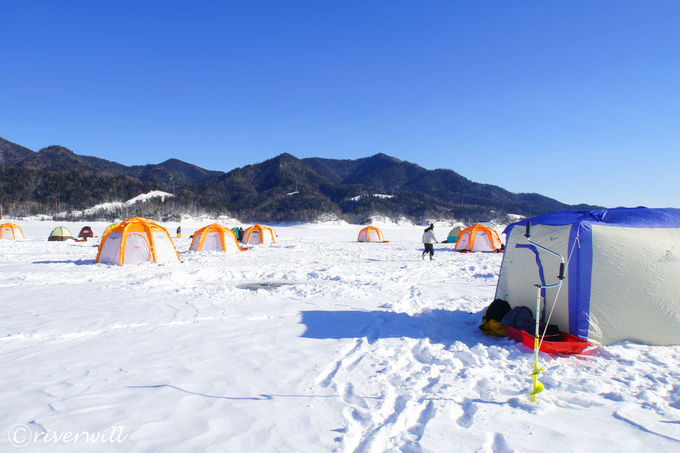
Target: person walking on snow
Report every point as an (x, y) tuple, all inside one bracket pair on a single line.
[(429, 240)]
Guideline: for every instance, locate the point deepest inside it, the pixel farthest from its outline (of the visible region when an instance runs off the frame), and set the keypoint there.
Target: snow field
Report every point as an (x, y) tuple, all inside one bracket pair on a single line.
[(314, 343)]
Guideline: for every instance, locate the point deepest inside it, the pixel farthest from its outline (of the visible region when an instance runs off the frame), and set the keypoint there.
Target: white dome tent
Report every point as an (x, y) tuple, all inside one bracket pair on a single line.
[(215, 237), (136, 241)]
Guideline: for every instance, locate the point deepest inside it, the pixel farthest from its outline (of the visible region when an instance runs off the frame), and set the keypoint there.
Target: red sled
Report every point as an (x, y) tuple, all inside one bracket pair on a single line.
[(568, 344)]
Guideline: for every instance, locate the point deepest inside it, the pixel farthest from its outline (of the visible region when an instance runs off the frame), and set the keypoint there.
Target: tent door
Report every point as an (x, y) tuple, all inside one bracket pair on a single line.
[(137, 250)]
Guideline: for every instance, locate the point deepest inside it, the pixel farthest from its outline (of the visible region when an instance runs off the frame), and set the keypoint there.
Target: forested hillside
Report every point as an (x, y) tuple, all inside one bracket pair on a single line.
[(285, 188)]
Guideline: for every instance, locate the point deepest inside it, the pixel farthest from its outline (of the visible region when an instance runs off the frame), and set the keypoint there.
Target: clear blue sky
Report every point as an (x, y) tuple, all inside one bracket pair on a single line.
[(576, 100)]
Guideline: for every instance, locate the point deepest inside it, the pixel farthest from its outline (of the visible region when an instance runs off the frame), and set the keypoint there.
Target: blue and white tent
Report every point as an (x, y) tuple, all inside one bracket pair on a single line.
[(622, 279)]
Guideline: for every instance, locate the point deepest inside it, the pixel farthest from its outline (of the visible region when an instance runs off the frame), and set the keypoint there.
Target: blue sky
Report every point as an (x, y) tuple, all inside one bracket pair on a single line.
[(576, 100)]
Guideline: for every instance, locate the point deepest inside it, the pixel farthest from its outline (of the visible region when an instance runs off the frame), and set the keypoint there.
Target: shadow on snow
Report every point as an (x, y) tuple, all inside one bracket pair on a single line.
[(76, 262), (439, 326)]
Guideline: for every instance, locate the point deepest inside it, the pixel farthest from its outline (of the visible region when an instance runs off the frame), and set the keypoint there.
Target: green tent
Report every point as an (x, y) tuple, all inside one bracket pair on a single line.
[(60, 233), (453, 234)]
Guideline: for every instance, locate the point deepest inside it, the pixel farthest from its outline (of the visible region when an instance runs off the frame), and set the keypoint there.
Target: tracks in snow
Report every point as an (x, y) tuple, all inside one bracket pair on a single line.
[(393, 391), (396, 414)]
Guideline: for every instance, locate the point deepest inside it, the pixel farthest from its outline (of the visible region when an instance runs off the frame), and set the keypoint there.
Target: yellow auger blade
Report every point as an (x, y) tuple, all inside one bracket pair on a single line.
[(537, 371), (538, 385)]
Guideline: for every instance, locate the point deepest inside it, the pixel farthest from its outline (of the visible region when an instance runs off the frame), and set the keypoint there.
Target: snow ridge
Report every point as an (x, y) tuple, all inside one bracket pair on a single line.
[(110, 206)]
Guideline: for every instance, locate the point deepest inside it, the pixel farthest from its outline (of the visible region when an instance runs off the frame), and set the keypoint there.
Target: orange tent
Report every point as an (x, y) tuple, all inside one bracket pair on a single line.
[(11, 232), (136, 241), (214, 237), (370, 234), (478, 238), (258, 234)]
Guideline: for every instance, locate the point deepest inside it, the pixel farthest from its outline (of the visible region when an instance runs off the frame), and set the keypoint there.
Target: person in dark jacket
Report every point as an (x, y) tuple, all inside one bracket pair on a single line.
[(428, 241)]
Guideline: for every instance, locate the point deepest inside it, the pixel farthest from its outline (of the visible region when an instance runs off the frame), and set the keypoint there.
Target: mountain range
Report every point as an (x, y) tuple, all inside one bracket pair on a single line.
[(285, 188)]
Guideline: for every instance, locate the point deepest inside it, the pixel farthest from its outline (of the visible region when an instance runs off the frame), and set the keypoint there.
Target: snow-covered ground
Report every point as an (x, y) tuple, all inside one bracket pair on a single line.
[(315, 343)]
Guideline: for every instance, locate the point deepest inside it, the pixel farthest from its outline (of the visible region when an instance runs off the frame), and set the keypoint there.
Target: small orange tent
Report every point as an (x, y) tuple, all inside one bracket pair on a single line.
[(11, 232), (258, 234), (215, 237), (370, 234), (136, 241), (478, 238)]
